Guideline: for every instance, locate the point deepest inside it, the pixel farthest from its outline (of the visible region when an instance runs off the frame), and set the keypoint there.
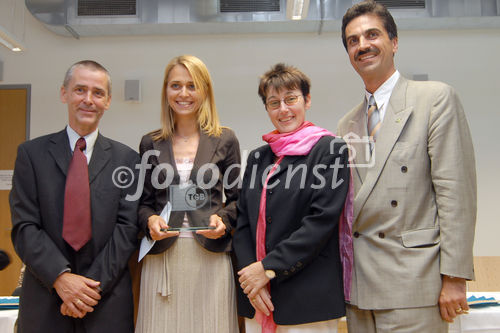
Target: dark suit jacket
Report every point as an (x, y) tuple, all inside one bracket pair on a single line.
[(224, 153), (37, 204), (302, 242)]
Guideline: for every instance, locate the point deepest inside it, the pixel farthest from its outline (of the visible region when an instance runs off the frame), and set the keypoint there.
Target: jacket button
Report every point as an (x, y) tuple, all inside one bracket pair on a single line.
[(404, 169), (269, 220), (356, 234), (299, 264), (381, 235), (394, 203), (269, 191), (285, 272)]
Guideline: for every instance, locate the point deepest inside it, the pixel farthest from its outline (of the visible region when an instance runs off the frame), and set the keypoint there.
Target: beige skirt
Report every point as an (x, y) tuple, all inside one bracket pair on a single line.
[(187, 289)]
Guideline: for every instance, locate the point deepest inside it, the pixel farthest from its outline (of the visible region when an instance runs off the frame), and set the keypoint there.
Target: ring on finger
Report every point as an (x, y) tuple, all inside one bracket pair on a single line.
[(459, 310)]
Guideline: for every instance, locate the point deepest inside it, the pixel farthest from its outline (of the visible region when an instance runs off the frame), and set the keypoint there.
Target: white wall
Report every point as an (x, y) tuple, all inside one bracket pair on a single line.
[(466, 59)]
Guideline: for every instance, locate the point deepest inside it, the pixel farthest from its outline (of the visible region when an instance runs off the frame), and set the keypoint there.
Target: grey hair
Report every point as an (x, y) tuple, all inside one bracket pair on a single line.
[(88, 64)]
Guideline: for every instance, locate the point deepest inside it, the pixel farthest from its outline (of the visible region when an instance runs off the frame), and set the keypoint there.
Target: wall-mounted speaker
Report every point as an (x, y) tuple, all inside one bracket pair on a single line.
[(133, 90)]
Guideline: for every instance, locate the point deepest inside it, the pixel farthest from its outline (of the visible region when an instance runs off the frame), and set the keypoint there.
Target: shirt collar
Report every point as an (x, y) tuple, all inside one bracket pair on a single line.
[(90, 139), (383, 93)]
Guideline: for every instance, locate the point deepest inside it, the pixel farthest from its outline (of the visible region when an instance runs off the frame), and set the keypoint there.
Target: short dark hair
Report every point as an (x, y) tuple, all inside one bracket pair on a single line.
[(370, 7), (283, 76), (94, 65)]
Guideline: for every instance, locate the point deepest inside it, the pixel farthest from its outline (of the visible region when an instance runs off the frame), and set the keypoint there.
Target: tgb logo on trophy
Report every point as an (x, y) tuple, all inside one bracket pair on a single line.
[(195, 197), (188, 197)]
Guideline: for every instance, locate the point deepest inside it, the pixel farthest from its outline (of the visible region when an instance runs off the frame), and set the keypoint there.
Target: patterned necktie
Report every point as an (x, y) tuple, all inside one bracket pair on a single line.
[(77, 225), (373, 122), (373, 119)]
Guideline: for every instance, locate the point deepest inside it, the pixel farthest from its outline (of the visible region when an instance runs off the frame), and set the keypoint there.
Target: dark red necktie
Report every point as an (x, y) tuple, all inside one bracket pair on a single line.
[(77, 225)]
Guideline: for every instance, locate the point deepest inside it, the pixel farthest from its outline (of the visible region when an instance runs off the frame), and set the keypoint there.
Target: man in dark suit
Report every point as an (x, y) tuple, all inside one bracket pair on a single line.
[(66, 288), (415, 203)]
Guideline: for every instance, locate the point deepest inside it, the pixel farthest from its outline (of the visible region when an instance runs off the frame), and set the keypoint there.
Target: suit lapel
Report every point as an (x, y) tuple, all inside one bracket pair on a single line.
[(356, 137), (100, 157), (167, 156), (60, 150), (267, 161), (264, 163), (206, 150), (283, 166), (395, 119)]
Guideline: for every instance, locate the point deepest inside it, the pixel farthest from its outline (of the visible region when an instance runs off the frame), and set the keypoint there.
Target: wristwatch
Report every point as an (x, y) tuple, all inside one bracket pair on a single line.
[(270, 274)]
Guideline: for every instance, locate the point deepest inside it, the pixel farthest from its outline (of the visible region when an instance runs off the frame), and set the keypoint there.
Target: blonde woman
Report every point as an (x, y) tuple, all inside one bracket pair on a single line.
[(187, 282)]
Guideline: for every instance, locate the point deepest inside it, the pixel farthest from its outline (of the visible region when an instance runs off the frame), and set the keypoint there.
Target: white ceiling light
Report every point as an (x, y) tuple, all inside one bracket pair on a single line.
[(9, 41), (297, 9)]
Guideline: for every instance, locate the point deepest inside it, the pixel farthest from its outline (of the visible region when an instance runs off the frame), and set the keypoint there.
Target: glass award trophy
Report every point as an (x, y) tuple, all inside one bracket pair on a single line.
[(189, 198)]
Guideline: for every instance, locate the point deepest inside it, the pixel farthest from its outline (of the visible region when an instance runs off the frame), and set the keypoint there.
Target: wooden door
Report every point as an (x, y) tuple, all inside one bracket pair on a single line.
[(14, 115)]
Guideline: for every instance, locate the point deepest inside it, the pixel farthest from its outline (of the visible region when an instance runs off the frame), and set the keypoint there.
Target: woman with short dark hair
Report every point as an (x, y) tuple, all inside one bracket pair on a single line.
[(287, 236)]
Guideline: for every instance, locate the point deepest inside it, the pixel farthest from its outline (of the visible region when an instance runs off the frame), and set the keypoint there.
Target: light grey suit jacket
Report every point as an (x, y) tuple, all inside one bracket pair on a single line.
[(415, 207)]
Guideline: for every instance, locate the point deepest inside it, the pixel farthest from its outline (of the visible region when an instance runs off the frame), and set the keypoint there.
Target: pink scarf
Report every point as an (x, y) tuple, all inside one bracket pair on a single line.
[(300, 142)]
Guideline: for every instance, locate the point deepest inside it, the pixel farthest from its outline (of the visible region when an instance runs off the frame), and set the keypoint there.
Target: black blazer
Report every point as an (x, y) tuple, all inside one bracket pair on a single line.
[(224, 153), (302, 242), (37, 204)]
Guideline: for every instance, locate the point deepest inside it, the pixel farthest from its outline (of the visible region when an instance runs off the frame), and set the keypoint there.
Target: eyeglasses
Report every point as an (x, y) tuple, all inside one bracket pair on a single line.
[(276, 103)]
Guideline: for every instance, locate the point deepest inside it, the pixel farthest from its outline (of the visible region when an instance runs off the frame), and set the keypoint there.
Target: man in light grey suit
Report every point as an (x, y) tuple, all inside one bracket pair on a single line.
[(414, 185)]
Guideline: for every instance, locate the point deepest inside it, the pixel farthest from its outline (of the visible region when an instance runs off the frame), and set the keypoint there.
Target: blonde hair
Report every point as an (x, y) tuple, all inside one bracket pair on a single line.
[(208, 119)]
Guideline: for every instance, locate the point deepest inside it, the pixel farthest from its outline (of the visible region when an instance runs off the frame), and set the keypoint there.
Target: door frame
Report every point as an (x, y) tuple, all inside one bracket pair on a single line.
[(16, 262), (28, 102)]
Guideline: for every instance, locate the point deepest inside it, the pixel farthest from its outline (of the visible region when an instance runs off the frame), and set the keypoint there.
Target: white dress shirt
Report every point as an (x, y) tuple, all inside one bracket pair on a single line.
[(383, 94), (90, 140)]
